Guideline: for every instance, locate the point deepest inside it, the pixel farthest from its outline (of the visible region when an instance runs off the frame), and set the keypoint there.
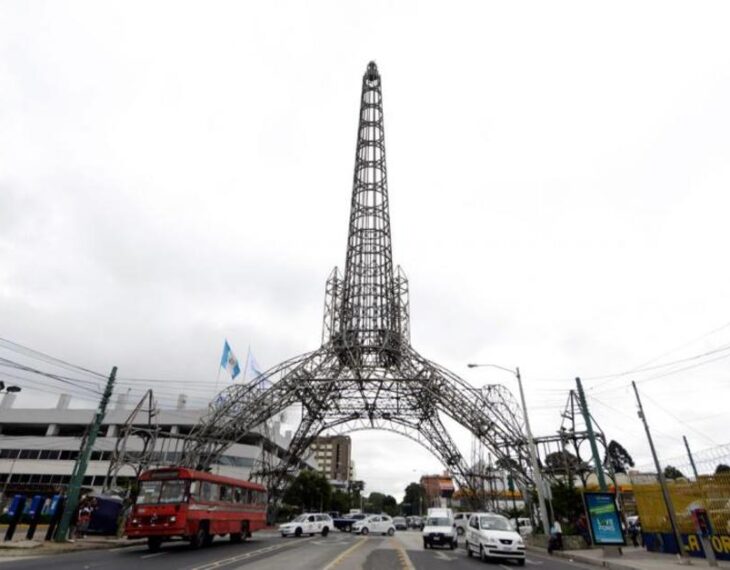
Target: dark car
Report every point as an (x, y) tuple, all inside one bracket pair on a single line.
[(345, 523)]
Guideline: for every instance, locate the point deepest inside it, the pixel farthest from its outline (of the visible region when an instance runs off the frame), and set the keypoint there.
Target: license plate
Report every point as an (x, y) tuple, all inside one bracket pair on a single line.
[(436, 539)]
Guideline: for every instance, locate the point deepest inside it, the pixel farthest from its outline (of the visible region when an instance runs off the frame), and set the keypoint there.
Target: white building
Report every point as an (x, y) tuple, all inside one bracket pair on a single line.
[(39, 446)]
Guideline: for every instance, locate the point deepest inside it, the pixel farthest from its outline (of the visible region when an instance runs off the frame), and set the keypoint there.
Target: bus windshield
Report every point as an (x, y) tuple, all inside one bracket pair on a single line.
[(156, 492)]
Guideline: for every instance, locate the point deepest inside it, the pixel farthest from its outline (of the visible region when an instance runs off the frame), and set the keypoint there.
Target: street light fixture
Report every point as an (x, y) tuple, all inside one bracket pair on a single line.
[(530, 445)]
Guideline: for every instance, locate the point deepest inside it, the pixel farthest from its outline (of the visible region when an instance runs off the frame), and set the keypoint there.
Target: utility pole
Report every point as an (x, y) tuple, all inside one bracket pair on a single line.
[(691, 459), (533, 459), (591, 437), (683, 559), (82, 461)]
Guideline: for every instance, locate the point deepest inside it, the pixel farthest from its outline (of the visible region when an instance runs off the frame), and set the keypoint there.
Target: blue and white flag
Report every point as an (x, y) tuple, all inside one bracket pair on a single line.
[(253, 371), (229, 361)]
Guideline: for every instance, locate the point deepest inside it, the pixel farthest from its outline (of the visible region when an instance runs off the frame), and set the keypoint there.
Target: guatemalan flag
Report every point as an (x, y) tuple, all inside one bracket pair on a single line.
[(229, 361), (253, 371)]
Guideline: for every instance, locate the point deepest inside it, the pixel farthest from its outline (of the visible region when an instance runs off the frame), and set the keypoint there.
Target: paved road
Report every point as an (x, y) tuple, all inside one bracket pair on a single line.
[(268, 551)]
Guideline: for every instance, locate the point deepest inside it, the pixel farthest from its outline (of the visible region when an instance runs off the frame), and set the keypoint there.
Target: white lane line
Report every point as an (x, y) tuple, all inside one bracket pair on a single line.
[(153, 555), (246, 555)]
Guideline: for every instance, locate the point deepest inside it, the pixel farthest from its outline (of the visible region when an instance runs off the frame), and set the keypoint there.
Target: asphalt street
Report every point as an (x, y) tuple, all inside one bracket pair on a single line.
[(268, 551)]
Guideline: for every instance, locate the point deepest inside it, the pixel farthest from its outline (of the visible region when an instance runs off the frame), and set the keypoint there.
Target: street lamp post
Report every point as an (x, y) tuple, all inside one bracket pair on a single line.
[(530, 445), (8, 389)]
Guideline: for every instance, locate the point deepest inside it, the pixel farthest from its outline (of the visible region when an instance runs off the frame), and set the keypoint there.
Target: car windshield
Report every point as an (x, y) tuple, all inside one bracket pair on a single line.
[(491, 522), (300, 518), (438, 521), (155, 492)]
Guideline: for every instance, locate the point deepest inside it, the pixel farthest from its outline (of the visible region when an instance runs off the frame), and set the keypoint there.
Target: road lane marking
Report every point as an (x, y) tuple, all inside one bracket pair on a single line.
[(345, 554), (405, 560), (153, 555), (246, 555)]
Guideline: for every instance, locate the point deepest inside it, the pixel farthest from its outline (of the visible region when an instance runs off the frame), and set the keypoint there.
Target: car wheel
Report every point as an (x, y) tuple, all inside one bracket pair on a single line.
[(520, 562), (199, 538), (348, 528), (453, 544), (469, 553), (459, 531), (391, 531), (365, 530), (425, 545), (283, 535), (298, 532), (325, 531), (482, 554)]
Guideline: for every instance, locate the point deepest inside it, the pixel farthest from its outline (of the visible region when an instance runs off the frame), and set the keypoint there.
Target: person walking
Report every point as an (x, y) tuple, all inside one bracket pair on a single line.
[(555, 540), (583, 530)]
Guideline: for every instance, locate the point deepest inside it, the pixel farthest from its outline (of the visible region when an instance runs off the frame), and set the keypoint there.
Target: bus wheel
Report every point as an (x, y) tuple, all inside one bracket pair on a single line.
[(199, 538), (236, 537), (154, 543)]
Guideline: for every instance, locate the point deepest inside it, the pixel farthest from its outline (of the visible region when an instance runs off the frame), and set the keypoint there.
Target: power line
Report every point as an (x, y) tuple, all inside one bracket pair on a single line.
[(19, 348)]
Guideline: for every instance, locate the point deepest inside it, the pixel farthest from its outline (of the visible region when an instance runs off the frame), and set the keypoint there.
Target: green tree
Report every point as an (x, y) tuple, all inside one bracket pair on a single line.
[(414, 499), (374, 503), (617, 457), (671, 472), (390, 505), (722, 468), (310, 491), (567, 502), (340, 502)]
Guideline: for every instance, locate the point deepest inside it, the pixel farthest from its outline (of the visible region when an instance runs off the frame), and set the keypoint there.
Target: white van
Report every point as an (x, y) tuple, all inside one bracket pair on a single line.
[(490, 535), (439, 529)]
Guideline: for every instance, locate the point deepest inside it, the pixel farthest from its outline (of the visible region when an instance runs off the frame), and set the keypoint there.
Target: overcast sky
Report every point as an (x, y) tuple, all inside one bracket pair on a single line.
[(173, 174)]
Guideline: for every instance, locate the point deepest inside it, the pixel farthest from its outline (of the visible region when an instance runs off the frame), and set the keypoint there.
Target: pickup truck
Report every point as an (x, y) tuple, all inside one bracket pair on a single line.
[(345, 523)]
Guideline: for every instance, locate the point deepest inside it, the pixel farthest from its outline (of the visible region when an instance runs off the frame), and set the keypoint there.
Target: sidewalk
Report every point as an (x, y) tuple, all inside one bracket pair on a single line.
[(632, 559), (19, 546)]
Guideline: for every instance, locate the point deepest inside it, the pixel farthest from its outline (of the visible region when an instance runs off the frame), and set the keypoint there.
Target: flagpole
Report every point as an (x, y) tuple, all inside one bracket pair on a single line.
[(217, 377), (245, 368)]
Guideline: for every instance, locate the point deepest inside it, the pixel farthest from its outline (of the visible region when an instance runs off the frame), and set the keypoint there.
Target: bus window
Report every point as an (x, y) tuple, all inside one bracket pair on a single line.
[(237, 495), (172, 492), (225, 493), (194, 488), (149, 492), (209, 492)]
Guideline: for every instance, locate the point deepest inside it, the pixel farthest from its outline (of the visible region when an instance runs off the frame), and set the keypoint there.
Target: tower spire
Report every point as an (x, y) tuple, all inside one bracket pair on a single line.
[(369, 312)]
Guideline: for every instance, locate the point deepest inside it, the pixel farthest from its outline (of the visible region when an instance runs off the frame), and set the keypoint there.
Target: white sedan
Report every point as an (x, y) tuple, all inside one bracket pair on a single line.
[(375, 523), (308, 523)]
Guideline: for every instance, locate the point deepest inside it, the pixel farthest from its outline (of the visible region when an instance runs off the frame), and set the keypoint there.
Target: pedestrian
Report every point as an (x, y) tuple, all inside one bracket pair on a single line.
[(84, 517), (583, 530), (555, 540), (634, 531)]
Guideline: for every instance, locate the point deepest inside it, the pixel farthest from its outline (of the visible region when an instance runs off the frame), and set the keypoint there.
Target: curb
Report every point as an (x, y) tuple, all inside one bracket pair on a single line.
[(566, 554), (52, 548)]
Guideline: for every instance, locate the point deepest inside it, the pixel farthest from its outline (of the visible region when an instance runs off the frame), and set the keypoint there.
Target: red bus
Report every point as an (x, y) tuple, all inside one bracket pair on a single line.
[(195, 506)]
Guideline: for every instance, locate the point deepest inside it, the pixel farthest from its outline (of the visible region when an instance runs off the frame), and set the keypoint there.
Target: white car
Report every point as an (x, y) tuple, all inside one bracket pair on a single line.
[(374, 523), (439, 529), (308, 523), (490, 535), (525, 526), (461, 520)]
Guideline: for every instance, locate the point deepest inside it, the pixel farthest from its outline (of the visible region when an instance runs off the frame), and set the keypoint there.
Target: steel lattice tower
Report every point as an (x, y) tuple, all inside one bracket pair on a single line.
[(365, 375)]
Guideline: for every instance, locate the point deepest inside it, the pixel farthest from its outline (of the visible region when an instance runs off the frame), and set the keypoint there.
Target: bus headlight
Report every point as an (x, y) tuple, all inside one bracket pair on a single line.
[(173, 518)]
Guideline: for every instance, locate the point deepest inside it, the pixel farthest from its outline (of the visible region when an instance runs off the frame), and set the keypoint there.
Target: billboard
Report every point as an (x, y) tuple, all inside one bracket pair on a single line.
[(604, 519)]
